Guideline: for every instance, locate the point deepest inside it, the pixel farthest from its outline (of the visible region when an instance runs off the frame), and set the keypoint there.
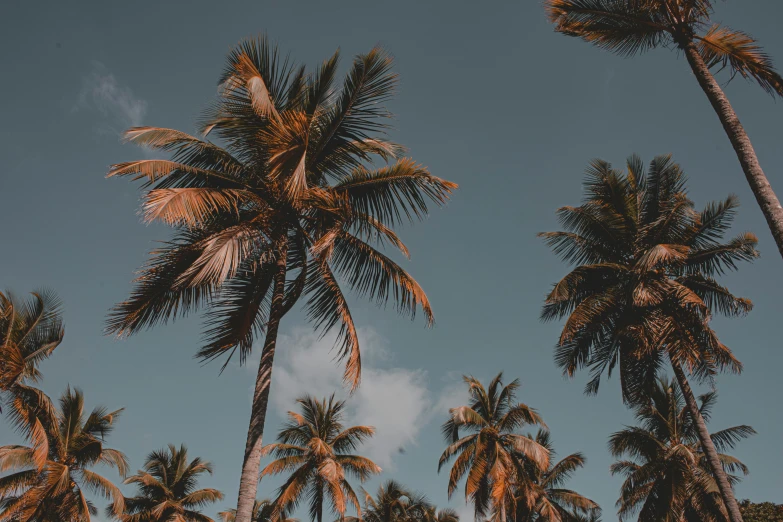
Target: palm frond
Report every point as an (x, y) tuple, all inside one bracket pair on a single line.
[(327, 307), (625, 27), (389, 193), (724, 47)]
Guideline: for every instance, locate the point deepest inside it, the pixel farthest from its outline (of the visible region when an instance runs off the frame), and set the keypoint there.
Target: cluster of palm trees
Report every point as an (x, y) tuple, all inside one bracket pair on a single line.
[(288, 206), (509, 475)]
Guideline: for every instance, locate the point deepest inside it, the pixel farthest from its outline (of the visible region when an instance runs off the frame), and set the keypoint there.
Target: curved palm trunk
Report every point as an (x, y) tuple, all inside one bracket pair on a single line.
[(758, 182), (251, 465), (726, 492)]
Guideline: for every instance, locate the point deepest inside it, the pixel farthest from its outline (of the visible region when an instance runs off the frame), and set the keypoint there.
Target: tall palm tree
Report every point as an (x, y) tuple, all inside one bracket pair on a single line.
[(29, 332), (167, 489), (628, 27), (263, 511), (540, 495), (667, 474), (483, 442), (644, 287), (53, 490), (317, 449), (288, 203)]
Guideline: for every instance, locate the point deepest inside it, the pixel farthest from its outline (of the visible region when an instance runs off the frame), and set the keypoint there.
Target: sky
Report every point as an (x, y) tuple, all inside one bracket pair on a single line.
[(490, 98)]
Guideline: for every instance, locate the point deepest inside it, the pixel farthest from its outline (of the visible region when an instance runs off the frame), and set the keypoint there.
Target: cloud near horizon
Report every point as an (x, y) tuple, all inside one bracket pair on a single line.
[(102, 92), (396, 401)]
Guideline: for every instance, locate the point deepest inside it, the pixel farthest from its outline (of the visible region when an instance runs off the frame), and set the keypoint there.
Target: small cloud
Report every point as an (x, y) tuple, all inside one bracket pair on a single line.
[(102, 92), (454, 393)]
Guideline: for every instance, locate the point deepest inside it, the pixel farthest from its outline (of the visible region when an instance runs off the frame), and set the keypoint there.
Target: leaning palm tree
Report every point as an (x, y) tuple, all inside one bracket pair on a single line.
[(483, 443), (167, 489), (541, 497), (263, 511), (628, 27), (29, 332), (54, 490), (287, 205), (644, 287), (667, 474), (317, 450)]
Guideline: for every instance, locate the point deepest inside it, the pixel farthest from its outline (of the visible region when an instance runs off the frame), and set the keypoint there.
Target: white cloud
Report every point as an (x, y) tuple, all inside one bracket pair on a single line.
[(453, 394), (396, 401), (116, 102)]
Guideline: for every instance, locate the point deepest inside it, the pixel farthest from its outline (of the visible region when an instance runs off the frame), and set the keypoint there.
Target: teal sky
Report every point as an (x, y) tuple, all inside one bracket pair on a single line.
[(489, 98)]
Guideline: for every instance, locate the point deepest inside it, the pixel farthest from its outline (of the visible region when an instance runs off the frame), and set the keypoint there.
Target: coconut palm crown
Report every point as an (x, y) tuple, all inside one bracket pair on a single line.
[(167, 489), (644, 286), (263, 511), (667, 476), (54, 489), (484, 444), (318, 451), (540, 494), (396, 503), (29, 332)]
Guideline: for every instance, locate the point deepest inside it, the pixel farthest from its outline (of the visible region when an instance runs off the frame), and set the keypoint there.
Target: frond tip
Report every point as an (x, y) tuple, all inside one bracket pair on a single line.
[(723, 47)]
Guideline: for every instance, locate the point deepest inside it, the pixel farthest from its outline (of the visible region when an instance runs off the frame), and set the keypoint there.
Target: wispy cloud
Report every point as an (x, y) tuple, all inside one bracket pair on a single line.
[(396, 401), (103, 93)]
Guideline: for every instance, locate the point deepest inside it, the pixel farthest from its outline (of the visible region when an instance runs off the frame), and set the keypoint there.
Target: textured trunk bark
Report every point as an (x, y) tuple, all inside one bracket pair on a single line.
[(758, 182), (726, 492), (248, 484)]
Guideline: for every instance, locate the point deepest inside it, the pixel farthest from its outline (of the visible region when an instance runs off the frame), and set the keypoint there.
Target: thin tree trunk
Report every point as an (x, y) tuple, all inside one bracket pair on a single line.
[(251, 465), (758, 182), (726, 492), (321, 509)]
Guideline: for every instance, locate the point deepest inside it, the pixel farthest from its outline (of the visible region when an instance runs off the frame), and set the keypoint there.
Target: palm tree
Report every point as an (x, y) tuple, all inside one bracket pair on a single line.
[(263, 511), (167, 489), (541, 497), (29, 333), (433, 514), (317, 449), (668, 476), (395, 503), (628, 27), (287, 205), (489, 451), (644, 286), (53, 490)]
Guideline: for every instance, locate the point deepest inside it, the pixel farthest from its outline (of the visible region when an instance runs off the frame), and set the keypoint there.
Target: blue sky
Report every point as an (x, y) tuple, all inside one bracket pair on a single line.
[(489, 98)]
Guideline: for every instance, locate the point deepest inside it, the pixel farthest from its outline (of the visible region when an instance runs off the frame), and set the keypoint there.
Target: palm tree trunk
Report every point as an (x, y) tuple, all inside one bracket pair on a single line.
[(251, 465), (726, 492), (321, 510), (758, 182)]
